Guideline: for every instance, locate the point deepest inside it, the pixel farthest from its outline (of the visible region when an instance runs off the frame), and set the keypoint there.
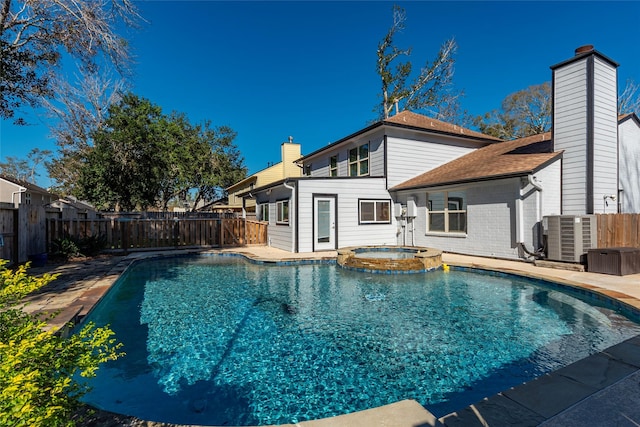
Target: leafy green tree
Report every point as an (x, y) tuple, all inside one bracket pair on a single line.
[(142, 157), (123, 170), (35, 35), (523, 113), (219, 163), (430, 90), (37, 367)]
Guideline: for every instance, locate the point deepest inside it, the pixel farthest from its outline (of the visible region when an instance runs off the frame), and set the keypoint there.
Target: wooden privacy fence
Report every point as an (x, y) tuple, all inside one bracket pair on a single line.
[(618, 230), (135, 234), (22, 231)]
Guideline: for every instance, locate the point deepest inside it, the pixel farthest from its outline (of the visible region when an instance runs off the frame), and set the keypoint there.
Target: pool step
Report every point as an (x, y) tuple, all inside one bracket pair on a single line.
[(406, 413)]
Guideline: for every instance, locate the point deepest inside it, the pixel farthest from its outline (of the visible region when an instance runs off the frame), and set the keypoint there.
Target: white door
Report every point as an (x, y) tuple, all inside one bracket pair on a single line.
[(324, 228)]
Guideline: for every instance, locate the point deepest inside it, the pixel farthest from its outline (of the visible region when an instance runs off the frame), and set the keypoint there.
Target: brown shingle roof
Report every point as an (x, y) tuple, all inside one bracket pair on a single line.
[(512, 158), (28, 185), (409, 118), (413, 121)]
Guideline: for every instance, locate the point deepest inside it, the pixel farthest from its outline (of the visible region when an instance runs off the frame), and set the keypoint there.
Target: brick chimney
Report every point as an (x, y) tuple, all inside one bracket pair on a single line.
[(585, 127)]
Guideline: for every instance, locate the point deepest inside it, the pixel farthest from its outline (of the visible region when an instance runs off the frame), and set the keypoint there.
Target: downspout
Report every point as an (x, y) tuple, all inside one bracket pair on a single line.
[(291, 205), (20, 191), (536, 184), (520, 208)]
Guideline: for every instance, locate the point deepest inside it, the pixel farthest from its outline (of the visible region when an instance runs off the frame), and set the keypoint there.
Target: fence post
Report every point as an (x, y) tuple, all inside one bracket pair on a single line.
[(16, 231), (124, 234)]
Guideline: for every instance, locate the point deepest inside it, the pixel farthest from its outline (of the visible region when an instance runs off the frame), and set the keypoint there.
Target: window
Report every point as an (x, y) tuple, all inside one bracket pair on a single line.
[(447, 212), (333, 166), (264, 212), (375, 211), (282, 211), (359, 160)]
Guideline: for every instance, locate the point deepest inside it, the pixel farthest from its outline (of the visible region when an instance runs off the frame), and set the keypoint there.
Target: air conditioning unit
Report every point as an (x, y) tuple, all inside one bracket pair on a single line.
[(569, 237)]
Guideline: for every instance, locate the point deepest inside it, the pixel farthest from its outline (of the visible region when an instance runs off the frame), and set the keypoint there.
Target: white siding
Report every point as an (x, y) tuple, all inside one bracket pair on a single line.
[(320, 165), (407, 157), (570, 133), (491, 216), (605, 164), (550, 179), (629, 134), (348, 191), (280, 236), (376, 157), (408, 153)]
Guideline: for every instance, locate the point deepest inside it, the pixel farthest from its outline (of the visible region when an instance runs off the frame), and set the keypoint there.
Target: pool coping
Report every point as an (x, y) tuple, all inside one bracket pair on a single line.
[(537, 402)]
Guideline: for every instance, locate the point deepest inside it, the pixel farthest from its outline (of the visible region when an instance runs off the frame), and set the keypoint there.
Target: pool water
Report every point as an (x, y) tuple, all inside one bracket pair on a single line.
[(217, 340)]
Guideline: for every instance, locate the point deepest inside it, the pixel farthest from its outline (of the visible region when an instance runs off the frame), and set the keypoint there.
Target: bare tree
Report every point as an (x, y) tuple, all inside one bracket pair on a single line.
[(629, 99), (523, 113), (431, 89), (25, 169), (34, 34), (528, 111), (79, 109)]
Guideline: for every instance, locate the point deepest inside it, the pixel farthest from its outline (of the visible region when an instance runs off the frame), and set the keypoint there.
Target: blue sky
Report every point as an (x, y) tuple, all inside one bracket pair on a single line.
[(307, 69)]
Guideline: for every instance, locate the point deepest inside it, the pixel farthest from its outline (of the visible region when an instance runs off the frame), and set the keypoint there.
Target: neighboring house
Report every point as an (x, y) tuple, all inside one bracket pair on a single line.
[(18, 192), (629, 155), (220, 205), (287, 168), (71, 208), (412, 180)]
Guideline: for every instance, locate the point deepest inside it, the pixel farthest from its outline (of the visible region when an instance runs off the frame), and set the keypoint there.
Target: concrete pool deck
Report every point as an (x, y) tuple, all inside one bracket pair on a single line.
[(602, 389)]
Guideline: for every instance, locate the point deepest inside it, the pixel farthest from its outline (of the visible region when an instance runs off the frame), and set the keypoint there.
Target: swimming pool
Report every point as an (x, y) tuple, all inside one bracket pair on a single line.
[(216, 340)]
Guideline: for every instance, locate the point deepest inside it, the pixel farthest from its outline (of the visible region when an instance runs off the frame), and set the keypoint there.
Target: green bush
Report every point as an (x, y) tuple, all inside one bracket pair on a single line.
[(36, 366), (66, 247), (69, 247), (92, 245)]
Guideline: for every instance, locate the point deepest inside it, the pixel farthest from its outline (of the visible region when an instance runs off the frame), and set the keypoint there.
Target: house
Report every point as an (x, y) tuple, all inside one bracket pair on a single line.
[(16, 192), (286, 168), (343, 199), (629, 164), (71, 208), (413, 180)]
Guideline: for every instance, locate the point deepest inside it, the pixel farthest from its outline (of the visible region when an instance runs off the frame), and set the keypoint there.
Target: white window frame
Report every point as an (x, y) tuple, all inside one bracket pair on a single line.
[(378, 210), (280, 212), (264, 212), (451, 207), (359, 161), (333, 170)]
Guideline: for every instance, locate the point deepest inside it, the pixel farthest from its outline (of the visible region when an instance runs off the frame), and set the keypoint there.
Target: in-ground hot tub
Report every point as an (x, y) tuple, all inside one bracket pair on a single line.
[(390, 259)]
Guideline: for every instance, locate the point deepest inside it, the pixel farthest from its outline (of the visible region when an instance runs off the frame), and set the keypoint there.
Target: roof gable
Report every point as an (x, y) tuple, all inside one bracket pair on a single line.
[(629, 116), (413, 121), (512, 158), (418, 121), (29, 186)]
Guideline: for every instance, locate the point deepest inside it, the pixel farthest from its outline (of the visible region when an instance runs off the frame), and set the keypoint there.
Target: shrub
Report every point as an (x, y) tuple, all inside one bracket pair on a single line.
[(69, 247), (65, 247), (92, 245), (36, 366)]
